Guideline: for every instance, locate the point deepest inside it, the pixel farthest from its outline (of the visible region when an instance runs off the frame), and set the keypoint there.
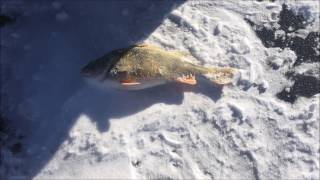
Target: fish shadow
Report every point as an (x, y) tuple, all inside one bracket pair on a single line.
[(102, 105)]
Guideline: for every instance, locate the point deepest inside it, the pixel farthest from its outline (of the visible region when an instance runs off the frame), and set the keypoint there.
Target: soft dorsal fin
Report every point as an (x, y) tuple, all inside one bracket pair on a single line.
[(174, 52)]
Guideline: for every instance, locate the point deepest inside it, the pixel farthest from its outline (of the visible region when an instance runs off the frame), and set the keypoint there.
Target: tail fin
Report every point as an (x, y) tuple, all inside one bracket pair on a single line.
[(221, 76)]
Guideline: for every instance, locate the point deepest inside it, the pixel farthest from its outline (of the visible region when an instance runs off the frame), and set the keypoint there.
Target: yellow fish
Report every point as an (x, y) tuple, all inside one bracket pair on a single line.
[(142, 66)]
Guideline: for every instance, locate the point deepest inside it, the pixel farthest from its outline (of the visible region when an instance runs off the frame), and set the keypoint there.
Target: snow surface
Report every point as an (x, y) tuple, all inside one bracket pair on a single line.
[(75, 130)]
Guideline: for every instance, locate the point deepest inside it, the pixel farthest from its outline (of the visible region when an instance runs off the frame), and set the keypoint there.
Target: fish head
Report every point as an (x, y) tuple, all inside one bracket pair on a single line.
[(94, 70), (104, 67)]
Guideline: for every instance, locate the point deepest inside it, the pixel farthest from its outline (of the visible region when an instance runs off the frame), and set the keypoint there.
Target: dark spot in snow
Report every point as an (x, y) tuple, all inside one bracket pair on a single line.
[(251, 135), (305, 86), (266, 35), (152, 139), (207, 173), (16, 148), (136, 163), (289, 22), (5, 131), (306, 50), (287, 96), (265, 0), (67, 156), (236, 113), (290, 135), (21, 136), (261, 88), (174, 150), (5, 20), (3, 125), (251, 158)]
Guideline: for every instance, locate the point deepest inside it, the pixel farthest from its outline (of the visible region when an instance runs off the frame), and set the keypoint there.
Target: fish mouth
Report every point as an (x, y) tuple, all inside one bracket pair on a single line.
[(93, 75), (99, 66), (88, 72), (84, 72)]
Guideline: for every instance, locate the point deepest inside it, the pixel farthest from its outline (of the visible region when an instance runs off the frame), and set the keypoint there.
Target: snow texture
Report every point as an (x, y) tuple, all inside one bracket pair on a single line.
[(73, 130)]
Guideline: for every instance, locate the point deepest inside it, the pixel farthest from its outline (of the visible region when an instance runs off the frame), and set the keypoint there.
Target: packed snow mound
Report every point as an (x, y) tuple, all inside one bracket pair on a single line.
[(76, 130)]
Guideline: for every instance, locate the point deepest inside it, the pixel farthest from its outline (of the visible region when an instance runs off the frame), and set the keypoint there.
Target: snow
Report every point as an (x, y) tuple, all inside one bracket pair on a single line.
[(76, 130), (62, 16)]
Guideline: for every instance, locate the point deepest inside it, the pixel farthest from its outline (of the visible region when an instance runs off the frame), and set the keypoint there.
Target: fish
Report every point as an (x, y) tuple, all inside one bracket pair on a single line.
[(144, 65)]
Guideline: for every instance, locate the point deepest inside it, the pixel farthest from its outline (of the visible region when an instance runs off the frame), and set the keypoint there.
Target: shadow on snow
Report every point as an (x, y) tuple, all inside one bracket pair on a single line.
[(43, 70)]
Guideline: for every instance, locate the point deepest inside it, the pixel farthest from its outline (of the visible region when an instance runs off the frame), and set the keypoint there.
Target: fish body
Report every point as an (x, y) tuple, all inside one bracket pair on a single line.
[(143, 66)]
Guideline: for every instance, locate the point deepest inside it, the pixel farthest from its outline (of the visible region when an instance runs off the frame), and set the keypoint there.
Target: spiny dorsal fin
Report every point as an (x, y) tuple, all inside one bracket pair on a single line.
[(142, 44)]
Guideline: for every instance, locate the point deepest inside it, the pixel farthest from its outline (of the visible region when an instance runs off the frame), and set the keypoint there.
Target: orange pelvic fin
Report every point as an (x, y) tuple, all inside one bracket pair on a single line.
[(190, 79), (129, 82)]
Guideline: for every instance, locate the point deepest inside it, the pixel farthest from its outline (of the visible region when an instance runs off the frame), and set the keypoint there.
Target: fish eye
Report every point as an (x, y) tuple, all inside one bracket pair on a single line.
[(113, 71)]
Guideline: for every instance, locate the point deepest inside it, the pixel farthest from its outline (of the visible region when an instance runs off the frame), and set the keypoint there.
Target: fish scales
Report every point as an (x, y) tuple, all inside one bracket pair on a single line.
[(150, 63)]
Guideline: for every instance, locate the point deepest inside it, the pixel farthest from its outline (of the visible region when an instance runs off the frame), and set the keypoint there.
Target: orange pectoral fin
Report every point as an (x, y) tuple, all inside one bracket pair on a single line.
[(191, 80), (129, 82)]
